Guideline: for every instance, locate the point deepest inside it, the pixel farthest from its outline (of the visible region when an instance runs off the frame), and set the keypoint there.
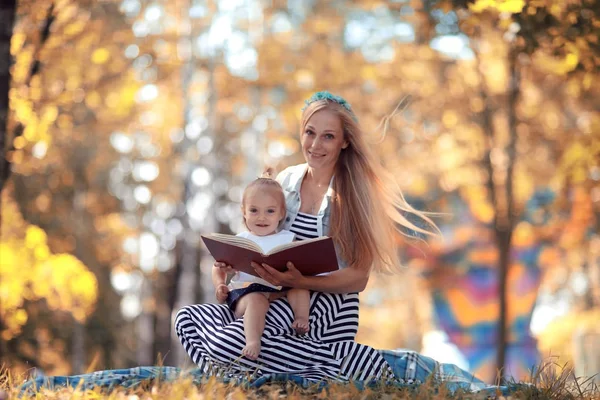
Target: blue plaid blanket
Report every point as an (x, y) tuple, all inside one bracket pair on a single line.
[(410, 368)]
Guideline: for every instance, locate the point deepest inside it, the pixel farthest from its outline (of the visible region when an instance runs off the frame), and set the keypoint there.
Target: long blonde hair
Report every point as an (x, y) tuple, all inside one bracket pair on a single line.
[(368, 206)]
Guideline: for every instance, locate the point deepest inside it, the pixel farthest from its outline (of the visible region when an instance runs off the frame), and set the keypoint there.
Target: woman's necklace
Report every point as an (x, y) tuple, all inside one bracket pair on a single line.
[(318, 199), (312, 207)]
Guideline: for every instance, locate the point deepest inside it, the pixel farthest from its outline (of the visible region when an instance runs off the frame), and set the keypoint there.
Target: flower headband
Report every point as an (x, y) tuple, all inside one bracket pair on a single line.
[(325, 95)]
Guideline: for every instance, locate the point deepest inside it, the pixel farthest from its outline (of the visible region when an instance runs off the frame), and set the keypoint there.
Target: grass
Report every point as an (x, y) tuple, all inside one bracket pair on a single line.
[(551, 381)]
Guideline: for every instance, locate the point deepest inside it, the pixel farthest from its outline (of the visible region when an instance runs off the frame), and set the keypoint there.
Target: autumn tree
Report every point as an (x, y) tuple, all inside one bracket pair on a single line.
[(563, 30), (81, 92)]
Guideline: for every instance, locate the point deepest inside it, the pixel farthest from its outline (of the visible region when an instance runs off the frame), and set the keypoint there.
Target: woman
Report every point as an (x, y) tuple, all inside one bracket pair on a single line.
[(342, 192)]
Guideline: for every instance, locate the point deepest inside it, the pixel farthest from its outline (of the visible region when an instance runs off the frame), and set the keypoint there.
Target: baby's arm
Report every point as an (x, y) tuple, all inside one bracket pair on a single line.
[(219, 278)]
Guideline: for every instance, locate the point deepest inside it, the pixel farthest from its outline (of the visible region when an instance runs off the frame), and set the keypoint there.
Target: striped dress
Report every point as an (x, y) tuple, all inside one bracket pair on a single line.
[(214, 338), (304, 226)]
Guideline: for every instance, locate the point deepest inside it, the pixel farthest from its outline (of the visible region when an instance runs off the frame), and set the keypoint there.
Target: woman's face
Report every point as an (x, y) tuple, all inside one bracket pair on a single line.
[(323, 139)]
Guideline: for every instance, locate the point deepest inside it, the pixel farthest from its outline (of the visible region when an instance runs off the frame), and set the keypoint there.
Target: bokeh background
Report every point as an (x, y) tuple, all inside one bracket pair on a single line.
[(133, 126)]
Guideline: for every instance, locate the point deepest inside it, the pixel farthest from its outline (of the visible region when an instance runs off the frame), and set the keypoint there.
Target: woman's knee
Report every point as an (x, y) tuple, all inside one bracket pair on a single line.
[(183, 312), (185, 315)]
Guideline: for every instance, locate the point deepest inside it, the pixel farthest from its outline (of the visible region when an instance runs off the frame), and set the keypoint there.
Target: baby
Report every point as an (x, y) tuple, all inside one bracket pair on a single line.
[(263, 209)]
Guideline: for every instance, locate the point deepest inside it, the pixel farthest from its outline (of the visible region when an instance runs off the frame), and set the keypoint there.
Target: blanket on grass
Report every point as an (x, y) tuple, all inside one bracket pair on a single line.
[(410, 368)]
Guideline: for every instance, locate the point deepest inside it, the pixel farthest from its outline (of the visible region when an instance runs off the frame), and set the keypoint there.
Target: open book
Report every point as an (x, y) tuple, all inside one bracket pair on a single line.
[(310, 257)]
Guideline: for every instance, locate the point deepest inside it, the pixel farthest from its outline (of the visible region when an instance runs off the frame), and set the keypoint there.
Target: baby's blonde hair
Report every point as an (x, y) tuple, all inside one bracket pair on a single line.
[(266, 182)]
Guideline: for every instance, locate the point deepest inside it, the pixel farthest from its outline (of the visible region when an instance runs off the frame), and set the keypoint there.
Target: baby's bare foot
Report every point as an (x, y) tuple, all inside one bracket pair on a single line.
[(252, 350), (300, 325)]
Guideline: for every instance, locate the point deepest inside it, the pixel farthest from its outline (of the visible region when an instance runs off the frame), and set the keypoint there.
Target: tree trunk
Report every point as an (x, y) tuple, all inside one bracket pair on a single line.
[(7, 17), (78, 335), (188, 266), (164, 287), (504, 227), (502, 199), (145, 326), (206, 291), (8, 11)]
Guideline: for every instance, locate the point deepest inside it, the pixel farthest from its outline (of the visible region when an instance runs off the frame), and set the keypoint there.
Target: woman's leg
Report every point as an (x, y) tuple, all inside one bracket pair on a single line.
[(204, 330), (253, 307), (299, 300)]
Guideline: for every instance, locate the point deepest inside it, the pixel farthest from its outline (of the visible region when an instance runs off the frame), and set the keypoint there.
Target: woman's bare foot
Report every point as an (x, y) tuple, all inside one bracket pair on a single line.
[(252, 350), (300, 325)]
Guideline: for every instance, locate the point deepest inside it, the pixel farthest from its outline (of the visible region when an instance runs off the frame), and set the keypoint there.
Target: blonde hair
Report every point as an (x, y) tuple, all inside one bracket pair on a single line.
[(368, 209), (266, 182)]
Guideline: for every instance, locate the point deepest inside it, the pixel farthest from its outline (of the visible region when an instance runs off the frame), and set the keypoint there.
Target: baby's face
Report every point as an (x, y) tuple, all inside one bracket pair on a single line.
[(262, 212)]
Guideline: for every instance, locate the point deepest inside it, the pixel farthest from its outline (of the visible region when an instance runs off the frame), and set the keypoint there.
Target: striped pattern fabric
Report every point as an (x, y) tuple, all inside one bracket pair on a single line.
[(214, 339), (305, 226)]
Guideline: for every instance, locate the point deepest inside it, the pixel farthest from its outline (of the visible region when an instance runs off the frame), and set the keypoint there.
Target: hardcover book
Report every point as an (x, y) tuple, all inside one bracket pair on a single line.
[(310, 256)]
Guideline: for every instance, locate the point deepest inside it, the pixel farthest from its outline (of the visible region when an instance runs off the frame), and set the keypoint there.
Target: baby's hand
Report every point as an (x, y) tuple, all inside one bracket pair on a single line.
[(224, 267), (221, 293)]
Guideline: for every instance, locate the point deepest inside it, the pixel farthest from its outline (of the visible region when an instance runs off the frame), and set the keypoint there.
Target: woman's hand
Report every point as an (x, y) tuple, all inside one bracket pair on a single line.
[(228, 269), (289, 278), (221, 293)]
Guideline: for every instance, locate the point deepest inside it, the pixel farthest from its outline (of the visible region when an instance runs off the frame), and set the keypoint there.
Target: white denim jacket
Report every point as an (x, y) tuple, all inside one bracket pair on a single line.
[(291, 181)]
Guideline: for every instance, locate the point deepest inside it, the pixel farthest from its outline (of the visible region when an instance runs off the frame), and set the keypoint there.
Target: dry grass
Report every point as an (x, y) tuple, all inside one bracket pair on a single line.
[(551, 381), (558, 381)]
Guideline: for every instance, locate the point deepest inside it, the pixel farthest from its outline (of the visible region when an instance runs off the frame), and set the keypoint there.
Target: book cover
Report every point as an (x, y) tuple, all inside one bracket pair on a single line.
[(310, 257)]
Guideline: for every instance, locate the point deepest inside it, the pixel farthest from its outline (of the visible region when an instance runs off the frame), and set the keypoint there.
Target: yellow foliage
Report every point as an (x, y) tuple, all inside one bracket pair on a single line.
[(560, 66), (419, 186), (100, 56), (524, 235), (369, 72), (34, 237), (508, 6), (93, 99), (511, 6), (571, 61), (74, 28), (19, 142), (479, 203), (49, 113), (574, 154), (23, 109), (557, 337), (126, 98), (450, 118), (61, 279), (576, 160), (20, 70), (16, 42)]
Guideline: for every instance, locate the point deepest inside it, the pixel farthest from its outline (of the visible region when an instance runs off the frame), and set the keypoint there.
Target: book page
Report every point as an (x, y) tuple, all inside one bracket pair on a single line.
[(236, 241), (297, 243)]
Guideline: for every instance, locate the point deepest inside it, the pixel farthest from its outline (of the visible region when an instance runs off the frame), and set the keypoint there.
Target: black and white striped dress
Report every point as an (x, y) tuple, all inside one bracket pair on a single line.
[(304, 226), (214, 339)]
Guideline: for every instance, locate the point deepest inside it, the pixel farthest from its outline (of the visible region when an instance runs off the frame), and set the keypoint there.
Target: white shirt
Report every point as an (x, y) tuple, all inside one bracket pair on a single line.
[(241, 279)]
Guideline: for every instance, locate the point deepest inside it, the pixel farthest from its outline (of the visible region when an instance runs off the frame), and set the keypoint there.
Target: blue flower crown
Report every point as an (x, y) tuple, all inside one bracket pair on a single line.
[(325, 95)]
